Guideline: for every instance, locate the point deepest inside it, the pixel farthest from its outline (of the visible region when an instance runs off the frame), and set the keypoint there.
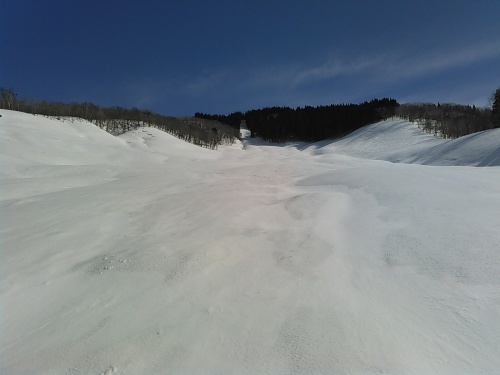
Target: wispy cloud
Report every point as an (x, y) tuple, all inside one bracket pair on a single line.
[(396, 66), (440, 60), (334, 69), (361, 75)]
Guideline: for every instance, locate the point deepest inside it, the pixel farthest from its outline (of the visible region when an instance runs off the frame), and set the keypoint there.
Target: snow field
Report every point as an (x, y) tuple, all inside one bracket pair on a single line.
[(145, 254)]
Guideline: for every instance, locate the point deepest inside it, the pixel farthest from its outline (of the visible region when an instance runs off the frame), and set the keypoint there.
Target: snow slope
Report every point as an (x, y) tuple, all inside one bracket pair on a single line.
[(401, 141), (143, 254)]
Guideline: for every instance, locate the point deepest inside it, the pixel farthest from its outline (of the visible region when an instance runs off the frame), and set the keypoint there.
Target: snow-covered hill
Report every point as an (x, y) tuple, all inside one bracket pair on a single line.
[(401, 141), (142, 254)]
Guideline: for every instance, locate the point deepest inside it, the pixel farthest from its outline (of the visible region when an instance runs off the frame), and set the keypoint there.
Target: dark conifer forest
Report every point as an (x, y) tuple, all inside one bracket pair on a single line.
[(310, 124), (283, 124)]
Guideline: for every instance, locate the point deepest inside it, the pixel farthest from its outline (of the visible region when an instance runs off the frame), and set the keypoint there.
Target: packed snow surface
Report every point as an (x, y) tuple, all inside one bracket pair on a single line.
[(142, 254)]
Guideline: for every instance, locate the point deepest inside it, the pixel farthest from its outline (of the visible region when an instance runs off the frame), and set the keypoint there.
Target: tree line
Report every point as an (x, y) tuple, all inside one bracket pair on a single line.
[(282, 124), (495, 108), (275, 124), (448, 120), (310, 124), (117, 120)]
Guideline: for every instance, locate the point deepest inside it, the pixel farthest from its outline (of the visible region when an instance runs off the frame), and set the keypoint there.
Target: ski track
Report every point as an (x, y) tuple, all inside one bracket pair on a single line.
[(142, 254)]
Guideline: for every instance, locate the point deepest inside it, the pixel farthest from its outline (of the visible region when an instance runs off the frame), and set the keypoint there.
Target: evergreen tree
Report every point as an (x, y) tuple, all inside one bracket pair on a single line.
[(495, 109)]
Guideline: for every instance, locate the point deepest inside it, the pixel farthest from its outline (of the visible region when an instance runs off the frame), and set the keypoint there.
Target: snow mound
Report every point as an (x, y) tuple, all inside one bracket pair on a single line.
[(155, 141), (403, 142), (37, 140), (67, 153)]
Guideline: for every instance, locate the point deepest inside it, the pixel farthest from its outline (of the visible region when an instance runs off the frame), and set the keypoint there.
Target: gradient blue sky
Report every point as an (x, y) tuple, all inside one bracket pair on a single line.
[(179, 57)]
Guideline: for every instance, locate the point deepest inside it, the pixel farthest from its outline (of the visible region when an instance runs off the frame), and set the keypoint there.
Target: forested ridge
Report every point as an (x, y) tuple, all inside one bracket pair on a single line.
[(282, 124), (117, 120), (448, 120), (274, 124)]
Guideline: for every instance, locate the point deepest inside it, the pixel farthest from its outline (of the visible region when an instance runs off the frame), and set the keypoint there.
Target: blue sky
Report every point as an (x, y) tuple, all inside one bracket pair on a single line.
[(180, 57)]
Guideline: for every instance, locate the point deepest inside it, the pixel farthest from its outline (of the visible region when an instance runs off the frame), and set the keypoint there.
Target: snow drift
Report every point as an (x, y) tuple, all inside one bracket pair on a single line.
[(142, 254)]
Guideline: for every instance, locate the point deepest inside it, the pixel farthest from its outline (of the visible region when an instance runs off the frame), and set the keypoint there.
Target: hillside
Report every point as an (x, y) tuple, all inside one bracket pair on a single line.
[(403, 142), (143, 254)]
